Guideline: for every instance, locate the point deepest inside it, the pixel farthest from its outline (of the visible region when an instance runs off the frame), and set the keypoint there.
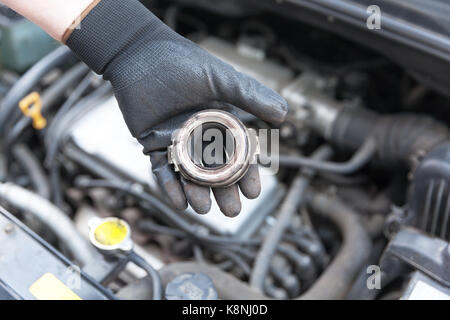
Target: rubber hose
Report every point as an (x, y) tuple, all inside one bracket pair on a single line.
[(165, 211), (81, 88), (70, 78), (157, 288), (49, 97), (361, 157), (52, 218), (400, 138), (228, 287), (33, 168), (30, 79), (105, 291), (289, 206), (334, 283), (338, 277)]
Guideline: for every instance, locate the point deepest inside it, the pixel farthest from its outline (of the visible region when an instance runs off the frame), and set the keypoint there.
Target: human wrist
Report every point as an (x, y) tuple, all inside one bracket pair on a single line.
[(56, 17), (76, 23)]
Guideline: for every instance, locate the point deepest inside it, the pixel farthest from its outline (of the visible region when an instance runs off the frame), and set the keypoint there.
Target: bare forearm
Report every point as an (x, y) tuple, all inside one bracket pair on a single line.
[(54, 16)]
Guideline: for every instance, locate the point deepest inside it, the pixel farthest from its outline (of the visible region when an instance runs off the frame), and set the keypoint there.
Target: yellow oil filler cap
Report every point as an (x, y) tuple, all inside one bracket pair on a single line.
[(31, 106)]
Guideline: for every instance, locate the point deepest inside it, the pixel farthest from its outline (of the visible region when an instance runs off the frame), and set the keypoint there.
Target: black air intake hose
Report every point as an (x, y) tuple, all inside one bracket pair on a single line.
[(402, 139)]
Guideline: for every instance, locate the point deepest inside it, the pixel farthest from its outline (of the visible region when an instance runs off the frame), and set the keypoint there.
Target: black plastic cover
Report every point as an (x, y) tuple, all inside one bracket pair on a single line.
[(430, 196)]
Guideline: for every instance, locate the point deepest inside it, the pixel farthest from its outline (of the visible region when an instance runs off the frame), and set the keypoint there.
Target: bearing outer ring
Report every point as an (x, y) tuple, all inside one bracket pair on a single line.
[(232, 171)]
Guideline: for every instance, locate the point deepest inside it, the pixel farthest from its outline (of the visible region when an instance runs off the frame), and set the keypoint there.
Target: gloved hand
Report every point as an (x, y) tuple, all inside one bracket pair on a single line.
[(159, 78)]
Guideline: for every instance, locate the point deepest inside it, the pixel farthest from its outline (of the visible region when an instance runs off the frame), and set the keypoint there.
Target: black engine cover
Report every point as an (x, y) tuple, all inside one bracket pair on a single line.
[(430, 196)]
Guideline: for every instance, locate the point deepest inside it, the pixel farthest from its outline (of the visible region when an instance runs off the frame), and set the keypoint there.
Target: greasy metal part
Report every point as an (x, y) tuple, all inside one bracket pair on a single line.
[(312, 247), (310, 106), (273, 291), (234, 168), (282, 273), (303, 264), (101, 136)]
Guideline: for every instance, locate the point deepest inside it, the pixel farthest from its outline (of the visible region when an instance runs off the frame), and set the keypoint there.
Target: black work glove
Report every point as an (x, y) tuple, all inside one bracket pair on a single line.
[(159, 78)]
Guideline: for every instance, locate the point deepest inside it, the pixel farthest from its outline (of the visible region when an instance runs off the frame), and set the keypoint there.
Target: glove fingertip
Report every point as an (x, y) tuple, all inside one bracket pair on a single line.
[(228, 200), (250, 184), (198, 196), (175, 192), (260, 100), (275, 106)]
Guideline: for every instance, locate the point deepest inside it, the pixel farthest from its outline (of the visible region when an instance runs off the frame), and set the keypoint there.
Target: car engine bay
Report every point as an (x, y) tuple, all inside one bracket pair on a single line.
[(362, 192)]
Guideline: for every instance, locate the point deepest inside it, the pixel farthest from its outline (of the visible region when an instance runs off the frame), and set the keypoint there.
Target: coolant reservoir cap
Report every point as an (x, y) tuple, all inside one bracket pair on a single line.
[(110, 235)]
